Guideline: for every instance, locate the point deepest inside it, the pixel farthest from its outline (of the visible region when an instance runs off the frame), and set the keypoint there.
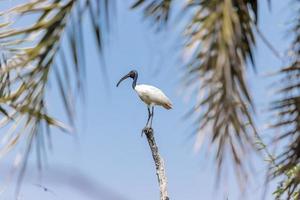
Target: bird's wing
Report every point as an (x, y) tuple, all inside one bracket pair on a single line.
[(157, 96)]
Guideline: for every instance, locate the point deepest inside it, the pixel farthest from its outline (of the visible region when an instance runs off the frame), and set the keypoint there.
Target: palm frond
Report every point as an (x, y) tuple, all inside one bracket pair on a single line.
[(29, 53), (220, 35), (289, 187), (157, 10), (287, 109)]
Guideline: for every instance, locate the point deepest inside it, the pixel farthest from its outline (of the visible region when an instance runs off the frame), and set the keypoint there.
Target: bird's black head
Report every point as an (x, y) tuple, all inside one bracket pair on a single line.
[(132, 74)]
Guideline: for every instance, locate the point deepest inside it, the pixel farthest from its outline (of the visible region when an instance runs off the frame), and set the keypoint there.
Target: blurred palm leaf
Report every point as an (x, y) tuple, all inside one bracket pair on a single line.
[(29, 53), (220, 35), (287, 108), (158, 10)]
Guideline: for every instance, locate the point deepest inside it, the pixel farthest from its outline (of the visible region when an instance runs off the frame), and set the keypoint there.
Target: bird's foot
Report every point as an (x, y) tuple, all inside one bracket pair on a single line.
[(146, 130)]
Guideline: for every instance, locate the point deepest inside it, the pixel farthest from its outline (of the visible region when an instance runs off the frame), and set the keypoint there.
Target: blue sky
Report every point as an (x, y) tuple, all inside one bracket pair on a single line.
[(108, 157)]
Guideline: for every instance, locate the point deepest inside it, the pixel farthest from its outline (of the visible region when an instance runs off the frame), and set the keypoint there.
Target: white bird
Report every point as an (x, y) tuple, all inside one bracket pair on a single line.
[(149, 94)]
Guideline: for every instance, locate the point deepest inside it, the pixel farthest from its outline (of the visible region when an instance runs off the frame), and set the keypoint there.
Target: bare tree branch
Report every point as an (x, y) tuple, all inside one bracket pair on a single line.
[(159, 164)]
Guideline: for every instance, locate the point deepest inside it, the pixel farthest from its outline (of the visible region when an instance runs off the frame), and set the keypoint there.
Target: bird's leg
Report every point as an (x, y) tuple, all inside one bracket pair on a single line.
[(147, 124), (152, 114), (149, 116)]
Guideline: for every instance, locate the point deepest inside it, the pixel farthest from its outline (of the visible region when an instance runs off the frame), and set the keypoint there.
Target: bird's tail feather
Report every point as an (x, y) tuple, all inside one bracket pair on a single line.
[(168, 105)]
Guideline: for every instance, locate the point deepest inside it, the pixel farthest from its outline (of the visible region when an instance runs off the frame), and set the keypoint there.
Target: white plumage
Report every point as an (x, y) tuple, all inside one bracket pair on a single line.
[(151, 96)]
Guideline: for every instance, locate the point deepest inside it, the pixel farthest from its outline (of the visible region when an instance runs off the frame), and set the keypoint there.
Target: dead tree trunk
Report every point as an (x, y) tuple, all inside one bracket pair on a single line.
[(159, 164)]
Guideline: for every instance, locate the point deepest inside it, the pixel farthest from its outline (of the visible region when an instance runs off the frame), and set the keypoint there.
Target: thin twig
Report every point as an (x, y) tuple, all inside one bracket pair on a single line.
[(159, 164)]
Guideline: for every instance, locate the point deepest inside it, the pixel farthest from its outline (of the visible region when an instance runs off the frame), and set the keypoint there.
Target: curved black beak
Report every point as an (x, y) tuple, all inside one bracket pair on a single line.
[(122, 79)]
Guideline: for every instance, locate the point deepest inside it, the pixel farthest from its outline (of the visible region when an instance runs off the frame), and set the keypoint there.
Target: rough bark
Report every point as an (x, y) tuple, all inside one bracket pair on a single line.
[(159, 164)]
